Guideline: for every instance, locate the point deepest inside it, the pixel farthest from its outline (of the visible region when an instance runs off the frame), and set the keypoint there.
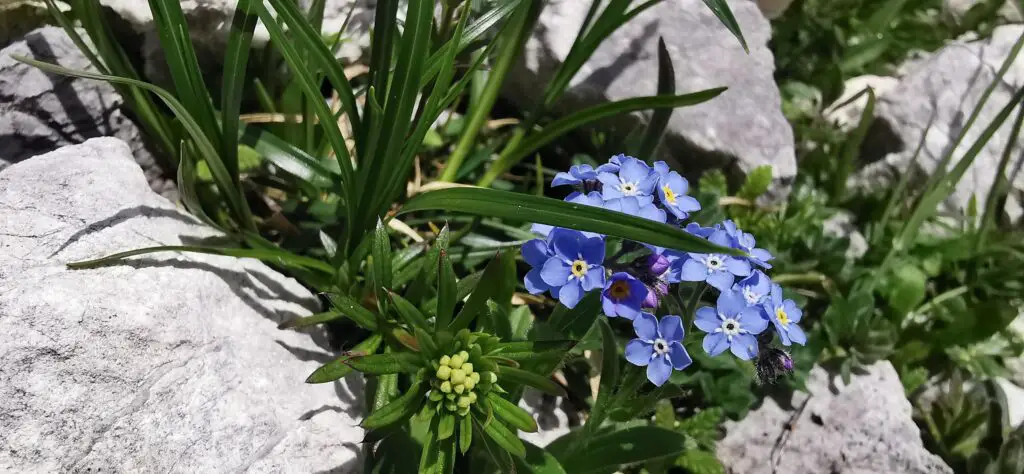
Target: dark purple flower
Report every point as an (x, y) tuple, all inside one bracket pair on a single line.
[(623, 295)]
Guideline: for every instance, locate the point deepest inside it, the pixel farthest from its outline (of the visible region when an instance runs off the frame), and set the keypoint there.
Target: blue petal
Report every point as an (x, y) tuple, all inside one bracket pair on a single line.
[(639, 352), (535, 252), (555, 272), (721, 280), (707, 319), (646, 326), (570, 294), (761, 254), (751, 320), (783, 333), (730, 303), (693, 270), (744, 346), (738, 266), (680, 358), (566, 243), (541, 229), (696, 229), (648, 183), (634, 170), (608, 306), (592, 250), (659, 370), (594, 278), (720, 237), (797, 334), (653, 213), (563, 179), (776, 295), (688, 203), (661, 167), (671, 328), (534, 283), (793, 311), (715, 343)]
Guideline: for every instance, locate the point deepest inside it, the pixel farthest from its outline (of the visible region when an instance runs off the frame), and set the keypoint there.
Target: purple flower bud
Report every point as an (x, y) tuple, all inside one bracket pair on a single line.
[(654, 294), (658, 264), (772, 363)]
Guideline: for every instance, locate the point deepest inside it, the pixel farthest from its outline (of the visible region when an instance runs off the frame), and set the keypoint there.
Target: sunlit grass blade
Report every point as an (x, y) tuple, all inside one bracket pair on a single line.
[(187, 188), (233, 88), (312, 320), (337, 369), (1001, 185), (512, 38), (277, 257), (206, 149), (660, 117), (851, 147), (320, 56), (542, 210), (474, 32), (183, 65), (721, 9), (381, 49), (570, 122), (289, 158)]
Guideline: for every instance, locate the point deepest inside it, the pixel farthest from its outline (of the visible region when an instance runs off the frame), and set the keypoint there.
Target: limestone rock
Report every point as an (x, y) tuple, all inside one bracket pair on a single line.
[(862, 428), (946, 87), (846, 111), (40, 112), (555, 417), (773, 9), (169, 363), (1010, 11), (741, 129)]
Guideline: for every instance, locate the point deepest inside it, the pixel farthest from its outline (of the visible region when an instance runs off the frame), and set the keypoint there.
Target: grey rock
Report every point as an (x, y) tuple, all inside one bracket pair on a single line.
[(555, 417), (841, 225), (864, 427), (1010, 10), (946, 87), (773, 9), (167, 363), (40, 112), (741, 129), (846, 111)]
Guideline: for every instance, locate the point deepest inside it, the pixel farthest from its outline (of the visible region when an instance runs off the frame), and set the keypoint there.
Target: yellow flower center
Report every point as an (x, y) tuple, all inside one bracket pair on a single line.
[(579, 268), (670, 195), (781, 315), (619, 290)]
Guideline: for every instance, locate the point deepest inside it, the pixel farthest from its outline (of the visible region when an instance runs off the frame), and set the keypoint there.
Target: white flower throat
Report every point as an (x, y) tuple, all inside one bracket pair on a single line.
[(730, 327), (714, 262), (628, 188), (660, 346)]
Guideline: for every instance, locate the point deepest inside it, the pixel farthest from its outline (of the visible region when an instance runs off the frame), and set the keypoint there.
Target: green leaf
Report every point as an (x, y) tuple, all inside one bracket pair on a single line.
[(473, 32), (505, 438), (236, 57), (703, 426), (382, 271), (337, 369), (523, 351), (312, 320), (655, 129), (446, 426), (288, 157), (606, 452), (399, 410), (905, 287), (538, 461), (522, 377), (447, 292), (542, 210), (278, 257), (757, 183), (510, 413), (380, 364), (187, 179), (484, 289), (408, 312), (721, 9), (609, 361), (417, 291), (852, 146), (700, 462), (354, 311), (570, 122), (465, 433)]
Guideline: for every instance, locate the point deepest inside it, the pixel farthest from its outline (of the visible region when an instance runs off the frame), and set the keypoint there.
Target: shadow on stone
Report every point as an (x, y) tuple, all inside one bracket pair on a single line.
[(125, 215)]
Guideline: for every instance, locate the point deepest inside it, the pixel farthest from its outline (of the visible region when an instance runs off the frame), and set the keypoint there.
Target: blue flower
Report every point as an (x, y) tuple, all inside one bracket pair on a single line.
[(744, 241), (731, 325), (623, 295), (698, 230), (754, 288), (784, 314), (640, 206), (577, 175), (718, 270), (659, 346), (672, 189), (633, 178), (592, 198), (612, 166), (536, 253), (574, 265)]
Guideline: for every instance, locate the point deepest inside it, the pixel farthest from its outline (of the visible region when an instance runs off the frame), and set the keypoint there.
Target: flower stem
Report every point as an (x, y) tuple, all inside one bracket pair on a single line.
[(632, 381), (691, 305)]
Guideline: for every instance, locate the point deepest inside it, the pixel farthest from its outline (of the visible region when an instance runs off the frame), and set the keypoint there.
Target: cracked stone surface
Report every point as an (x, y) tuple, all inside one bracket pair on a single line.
[(861, 428), (555, 417), (739, 130), (40, 112), (947, 86), (168, 363)]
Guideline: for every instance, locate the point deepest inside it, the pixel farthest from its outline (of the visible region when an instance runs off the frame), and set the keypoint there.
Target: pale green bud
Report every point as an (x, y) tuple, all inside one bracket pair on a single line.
[(467, 368), (445, 360), (444, 372), (458, 377), (456, 361), (446, 386)]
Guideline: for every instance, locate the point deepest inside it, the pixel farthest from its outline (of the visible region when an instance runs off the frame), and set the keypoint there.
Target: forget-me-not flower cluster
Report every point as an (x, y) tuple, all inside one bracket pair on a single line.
[(568, 264)]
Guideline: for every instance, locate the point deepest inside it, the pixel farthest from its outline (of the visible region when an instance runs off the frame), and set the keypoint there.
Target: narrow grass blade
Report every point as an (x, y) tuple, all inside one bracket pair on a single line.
[(289, 158), (851, 148), (1001, 186), (570, 122), (542, 210), (721, 9), (236, 58), (337, 369)]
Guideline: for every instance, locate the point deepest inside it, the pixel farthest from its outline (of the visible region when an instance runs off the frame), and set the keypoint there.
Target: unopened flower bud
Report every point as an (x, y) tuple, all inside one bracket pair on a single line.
[(772, 363), (446, 387), (456, 361), (467, 368), (459, 388), (657, 264), (464, 355), (465, 402), (445, 360), (475, 377), (443, 372), (458, 377)]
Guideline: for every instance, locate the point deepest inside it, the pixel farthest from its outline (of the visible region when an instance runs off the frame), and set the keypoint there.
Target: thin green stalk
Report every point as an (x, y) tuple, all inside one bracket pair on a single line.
[(517, 34), (632, 380), (1000, 186)]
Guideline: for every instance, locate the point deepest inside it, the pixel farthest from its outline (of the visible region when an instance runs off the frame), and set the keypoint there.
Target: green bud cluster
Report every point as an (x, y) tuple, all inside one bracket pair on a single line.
[(456, 384)]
